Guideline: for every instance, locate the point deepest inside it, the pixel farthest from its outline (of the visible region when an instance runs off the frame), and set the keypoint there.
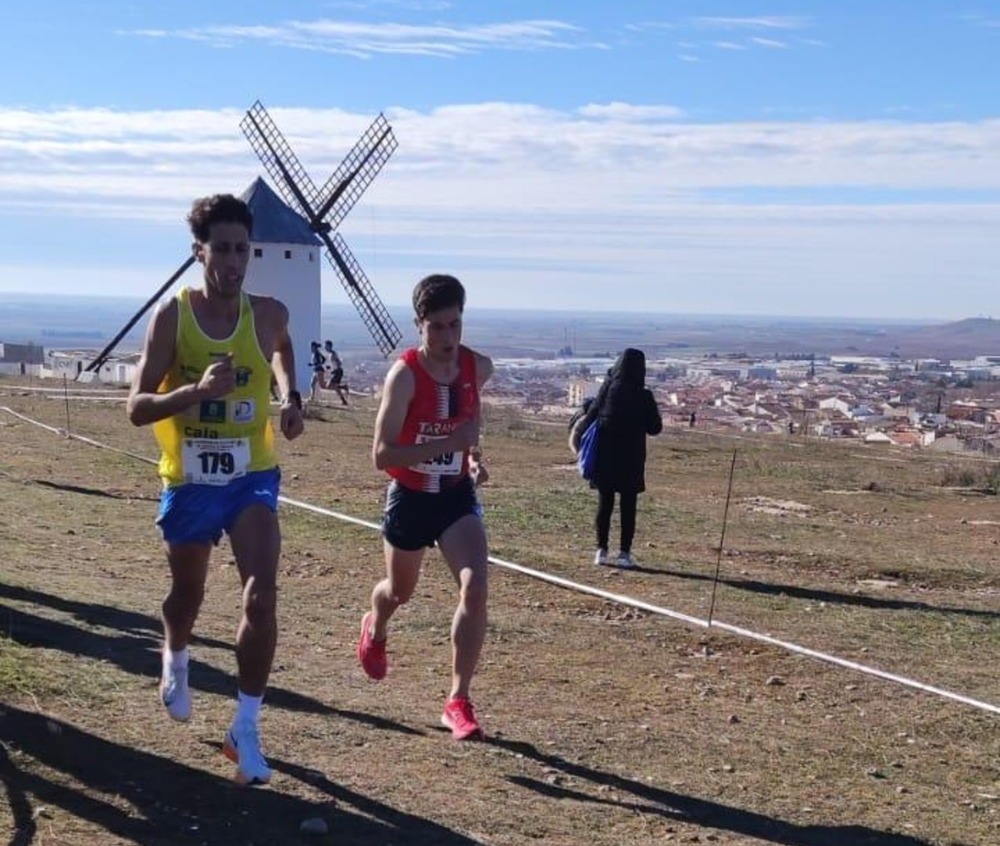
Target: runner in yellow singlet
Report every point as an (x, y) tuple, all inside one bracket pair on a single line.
[(204, 382)]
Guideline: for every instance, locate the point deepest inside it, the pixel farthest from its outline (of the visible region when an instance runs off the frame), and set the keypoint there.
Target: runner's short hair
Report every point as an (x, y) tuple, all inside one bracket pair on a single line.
[(435, 292)]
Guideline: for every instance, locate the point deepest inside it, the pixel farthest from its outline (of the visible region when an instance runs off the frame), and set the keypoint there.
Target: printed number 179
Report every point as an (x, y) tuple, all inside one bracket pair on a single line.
[(217, 462)]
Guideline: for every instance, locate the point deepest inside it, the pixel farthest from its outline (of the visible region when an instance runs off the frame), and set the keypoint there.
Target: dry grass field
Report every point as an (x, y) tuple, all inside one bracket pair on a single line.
[(607, 725)]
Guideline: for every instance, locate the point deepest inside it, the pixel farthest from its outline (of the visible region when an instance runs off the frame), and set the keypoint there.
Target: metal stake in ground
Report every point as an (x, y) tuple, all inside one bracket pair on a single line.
[(66, 398), (722, 540)]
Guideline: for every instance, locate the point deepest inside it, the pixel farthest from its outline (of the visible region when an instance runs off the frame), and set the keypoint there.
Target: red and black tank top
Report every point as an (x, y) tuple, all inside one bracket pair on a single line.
[(435, 410)]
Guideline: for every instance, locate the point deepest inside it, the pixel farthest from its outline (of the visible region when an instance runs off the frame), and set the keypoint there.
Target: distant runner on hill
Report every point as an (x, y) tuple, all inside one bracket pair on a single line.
[(317, 363), (335, 370)]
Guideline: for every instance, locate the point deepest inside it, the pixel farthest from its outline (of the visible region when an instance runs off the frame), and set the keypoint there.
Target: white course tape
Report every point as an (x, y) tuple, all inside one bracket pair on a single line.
[(620, 599)]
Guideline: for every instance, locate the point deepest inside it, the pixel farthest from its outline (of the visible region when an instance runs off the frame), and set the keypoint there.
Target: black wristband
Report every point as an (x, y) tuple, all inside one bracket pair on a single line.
[(295, 398)]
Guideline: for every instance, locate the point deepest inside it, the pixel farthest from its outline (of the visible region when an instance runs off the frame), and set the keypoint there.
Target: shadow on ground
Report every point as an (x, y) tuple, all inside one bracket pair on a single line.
[(136, 649), (45, 483), (647, 799), (142, 797), (819, 595)]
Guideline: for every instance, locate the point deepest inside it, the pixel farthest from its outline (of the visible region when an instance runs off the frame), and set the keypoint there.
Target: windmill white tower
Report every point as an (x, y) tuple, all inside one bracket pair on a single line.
[(285, 264)]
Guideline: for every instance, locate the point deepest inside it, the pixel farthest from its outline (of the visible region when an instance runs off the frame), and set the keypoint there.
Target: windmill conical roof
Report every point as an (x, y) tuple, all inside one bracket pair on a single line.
[(274, 222)]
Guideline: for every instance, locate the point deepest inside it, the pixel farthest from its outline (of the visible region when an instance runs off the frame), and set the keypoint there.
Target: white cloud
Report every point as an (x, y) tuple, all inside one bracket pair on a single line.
[(729, 45), (770, 42), (650, 25), (633, 190), (629, 112), (365, 40), (753, 23), (71, 153), (977, 19)]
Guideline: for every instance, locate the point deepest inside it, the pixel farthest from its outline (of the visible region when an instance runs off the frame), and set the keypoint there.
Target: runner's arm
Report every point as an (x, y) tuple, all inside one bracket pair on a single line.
[(477, 466), (484, 368), (283, 370), (283, 357), (144, 404)]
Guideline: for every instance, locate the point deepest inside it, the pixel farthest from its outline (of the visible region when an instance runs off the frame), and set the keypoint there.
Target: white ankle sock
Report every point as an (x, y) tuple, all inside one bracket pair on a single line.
[(178, 660), (248, 707)]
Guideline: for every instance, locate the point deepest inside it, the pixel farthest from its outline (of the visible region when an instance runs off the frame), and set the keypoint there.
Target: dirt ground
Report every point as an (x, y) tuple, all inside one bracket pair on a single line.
[(606, 724)]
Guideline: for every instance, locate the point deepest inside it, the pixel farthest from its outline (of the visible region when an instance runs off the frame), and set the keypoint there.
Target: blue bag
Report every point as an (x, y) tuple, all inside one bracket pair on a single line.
[(586, 459)]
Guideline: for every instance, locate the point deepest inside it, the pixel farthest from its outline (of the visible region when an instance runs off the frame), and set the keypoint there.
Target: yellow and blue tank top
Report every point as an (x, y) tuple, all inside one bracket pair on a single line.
[(217, 441)]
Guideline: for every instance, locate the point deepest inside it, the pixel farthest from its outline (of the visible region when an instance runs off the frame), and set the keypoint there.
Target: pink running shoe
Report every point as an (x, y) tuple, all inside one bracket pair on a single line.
[(461, 719), (371, 652)]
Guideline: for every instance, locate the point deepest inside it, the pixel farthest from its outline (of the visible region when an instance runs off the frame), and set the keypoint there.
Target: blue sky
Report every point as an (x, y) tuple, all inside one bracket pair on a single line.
[(787, 158)]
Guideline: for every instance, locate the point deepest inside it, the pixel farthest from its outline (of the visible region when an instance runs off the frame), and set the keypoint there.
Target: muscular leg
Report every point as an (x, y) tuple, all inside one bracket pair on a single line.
[(402, 570), (188, 569), (256, 542), (465, 548)]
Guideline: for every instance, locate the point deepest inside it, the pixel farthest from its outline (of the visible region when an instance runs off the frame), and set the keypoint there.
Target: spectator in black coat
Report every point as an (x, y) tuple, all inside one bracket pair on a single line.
[(626, 413)]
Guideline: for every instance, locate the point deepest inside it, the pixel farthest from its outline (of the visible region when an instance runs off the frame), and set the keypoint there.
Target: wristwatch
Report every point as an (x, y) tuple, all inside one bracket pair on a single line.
[(294, 398)]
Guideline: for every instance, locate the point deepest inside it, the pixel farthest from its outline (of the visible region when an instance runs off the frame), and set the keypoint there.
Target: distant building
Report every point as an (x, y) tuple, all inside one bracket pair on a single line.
[(836, 404), (21, 359), (964, 410), (578, 390), (762, 372)]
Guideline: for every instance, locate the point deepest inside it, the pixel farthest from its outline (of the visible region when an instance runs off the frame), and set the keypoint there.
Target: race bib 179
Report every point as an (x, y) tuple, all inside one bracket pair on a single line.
[(214, 461)]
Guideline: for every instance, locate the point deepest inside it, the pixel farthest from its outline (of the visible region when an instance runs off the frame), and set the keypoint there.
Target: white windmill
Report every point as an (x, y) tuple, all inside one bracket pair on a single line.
[(290, 234)]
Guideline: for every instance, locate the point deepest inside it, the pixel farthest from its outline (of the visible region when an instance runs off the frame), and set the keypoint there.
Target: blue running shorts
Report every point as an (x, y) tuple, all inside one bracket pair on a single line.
[(192, 513)]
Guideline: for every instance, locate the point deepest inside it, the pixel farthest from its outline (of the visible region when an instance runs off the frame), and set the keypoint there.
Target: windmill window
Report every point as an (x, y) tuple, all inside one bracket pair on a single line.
[(257, 252), (288, 254), (312, 256)]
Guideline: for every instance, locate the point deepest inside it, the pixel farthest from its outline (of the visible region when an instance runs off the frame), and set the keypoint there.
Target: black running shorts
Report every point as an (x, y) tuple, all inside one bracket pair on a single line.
[(415, 519)]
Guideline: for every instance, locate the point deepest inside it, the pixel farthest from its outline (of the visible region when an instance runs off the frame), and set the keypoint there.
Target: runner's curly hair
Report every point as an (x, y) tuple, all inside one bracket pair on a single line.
[(219, 208)]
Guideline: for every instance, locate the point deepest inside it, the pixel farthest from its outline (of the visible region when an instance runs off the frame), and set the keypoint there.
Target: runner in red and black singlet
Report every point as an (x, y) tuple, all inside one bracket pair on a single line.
[(426, 439), (434, 412)]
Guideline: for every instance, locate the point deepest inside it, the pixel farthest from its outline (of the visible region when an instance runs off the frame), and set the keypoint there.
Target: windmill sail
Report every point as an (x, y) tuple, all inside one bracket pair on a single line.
[(325, 208), (373, 312), (281, 164), (357, 171)]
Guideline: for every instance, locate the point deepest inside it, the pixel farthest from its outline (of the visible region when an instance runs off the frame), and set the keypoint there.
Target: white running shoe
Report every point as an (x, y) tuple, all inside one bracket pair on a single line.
[(175, 693), (601, 557), (625, 561), (242, 747)]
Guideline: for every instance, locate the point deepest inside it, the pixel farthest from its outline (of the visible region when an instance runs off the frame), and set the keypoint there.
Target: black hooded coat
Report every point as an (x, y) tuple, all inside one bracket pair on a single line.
[(627, 413)]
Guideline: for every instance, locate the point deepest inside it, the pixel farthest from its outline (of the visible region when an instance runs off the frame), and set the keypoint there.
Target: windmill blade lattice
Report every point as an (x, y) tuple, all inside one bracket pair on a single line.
[(281, 164), (325, 209), (373, 312), (357, 171)]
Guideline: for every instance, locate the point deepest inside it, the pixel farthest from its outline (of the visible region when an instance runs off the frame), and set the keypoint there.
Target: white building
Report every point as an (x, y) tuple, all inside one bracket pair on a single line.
[(578, 390), (285, 264)]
